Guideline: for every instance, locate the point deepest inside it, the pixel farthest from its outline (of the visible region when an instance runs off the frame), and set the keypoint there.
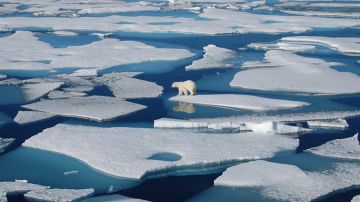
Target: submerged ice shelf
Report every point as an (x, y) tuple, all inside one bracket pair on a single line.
[(127, 152)]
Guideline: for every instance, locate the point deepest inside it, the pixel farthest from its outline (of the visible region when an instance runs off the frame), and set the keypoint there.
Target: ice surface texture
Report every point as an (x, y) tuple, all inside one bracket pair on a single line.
[(59, 195)]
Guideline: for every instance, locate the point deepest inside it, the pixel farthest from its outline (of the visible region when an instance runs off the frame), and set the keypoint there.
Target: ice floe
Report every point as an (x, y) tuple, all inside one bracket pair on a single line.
[(60, 195), (123, 86), (26, 52), (34, 91), (347, 148), (287, 182), (19, 187), (5, 143), (214, 57), (338, 123), (58, 94), (247, 102), (345, 45), (98, 108), (237, 122), (288, 46), (3, 197), (2, 77), (356, 199), (29, 117), (112, 198), (128, 152), (287, 71)]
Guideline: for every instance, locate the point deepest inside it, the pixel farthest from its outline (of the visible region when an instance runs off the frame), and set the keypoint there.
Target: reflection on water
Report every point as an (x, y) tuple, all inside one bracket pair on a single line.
[(188, 108)]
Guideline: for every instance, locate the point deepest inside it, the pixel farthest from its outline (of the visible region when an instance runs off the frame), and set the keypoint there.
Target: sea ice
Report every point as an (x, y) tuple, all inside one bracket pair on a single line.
[(247, 102), (288, 46), (26, 52), (337, 123), (356, 199), (347, 148), (291, 72), (3, 197), (214, 57), (273, 127), (127, 152), (5, 143), (59, 195), (98, 108), (125, 87), (2, 77), (287, 182), (112, 198), (29, 117), (34, 91), (58, 94), (19, 187), (345, 45)]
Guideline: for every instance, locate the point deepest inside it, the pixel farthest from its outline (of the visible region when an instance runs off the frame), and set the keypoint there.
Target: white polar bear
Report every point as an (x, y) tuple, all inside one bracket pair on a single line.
[(184, 87)]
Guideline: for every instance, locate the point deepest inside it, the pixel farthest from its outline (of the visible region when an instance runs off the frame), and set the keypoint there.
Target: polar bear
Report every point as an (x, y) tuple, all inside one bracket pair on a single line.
[(184, 87)]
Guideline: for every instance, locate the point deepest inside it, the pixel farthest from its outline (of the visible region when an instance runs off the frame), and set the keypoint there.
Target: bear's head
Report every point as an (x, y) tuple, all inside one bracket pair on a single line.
[(174, 85)]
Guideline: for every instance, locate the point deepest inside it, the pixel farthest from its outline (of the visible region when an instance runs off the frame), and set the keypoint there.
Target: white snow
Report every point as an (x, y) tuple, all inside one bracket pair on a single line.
[(98, 108), (273, 127), (125, 87), (337, 123), (237, 122), (112, 198), (347, 148), (59, 195), (345, 45), (5, 143), (34, 91), (58, 94), (127, 152), (19, 187), (288, 46), (356, 199), (25, 52), (3, 197), (295, 73), (29, 117), (214, 57), (247, 102), (287, 182)]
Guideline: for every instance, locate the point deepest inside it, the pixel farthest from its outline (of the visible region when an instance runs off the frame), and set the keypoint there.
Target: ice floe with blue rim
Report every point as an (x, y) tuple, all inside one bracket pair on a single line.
[(98, 108), (275, 181), (287, 71), (236, 101), (130, 152), (348, 148)]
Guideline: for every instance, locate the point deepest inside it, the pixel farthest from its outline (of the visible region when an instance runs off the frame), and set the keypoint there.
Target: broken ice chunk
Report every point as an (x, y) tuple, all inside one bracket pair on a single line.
[(338, 123), (29, 117), (35, 91), (5, 143), (59, 195), (19, 187)]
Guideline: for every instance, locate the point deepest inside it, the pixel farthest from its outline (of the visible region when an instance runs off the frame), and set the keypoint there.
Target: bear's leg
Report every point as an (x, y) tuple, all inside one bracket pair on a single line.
[(185, 91), (180, 92), (192, 92)]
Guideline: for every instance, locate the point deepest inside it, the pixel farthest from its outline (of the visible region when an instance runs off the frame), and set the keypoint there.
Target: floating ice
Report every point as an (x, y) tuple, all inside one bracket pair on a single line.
[(19, 187), (214, 57), (85, 73), (236, 122), (291, 72), (2, 77), (3, 197), (34, 91), (125, 87), (247, 102), (25, 52), (345, 45), (338, 123), (273, 127), (5, 143), (288, 46), (126, 152), (98, 108), (112, 198), (347, 148), (58, 94), (356, 199), (29, 117), (60, 195), (287, 182)]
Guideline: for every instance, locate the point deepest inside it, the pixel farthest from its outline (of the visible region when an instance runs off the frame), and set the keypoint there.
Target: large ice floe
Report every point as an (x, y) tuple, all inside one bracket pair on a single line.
[(220, 21), (239, 122), (247, 102), (26, 52), (337, 123), (123, 86), (214, 58), (347, 148), (34, 91), (285, 182), (29, 117), (98, 108), (19, 187), (112, 198), (60, 195), (142, 153), (5, 143), (345, 45), (287, 71)]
